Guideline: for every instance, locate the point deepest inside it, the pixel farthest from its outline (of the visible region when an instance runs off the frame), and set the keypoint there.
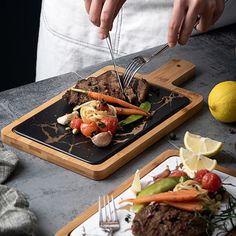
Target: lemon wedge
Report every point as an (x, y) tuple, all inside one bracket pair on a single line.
[(136, 184), (201, 145), (193, 162)]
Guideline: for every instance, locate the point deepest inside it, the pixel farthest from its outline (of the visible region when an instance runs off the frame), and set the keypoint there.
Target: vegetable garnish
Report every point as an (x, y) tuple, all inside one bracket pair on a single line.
[(225, 220), (97, 116), (160, 186), (89, 112), (66, 119), (136, 184), (203, 195), (171, 196), (102, 139), (89, 129), (129, 111), (211, 182), (108, 124), (187, 206), (107, 98), (146, 106), (165, 173)]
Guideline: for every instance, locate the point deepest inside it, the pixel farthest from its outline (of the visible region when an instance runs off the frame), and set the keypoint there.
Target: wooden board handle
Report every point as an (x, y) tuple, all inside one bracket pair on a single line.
[(174, 72)]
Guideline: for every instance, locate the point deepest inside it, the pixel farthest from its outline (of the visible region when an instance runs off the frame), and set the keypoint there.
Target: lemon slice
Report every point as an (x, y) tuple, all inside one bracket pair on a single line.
[(193, 162), (202, 145), (136, 184)]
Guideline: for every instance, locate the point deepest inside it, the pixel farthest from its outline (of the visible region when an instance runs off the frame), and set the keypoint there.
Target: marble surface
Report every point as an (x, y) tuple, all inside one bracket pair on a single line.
[(57, 195)]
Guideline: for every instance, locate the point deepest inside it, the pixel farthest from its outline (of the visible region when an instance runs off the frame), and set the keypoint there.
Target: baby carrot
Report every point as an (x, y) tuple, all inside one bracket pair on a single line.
[(107, 98), (187, 206), (171, 196), (130, 111)]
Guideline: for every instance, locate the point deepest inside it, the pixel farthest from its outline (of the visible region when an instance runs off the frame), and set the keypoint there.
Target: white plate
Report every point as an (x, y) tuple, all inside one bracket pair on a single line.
[(90, 226)]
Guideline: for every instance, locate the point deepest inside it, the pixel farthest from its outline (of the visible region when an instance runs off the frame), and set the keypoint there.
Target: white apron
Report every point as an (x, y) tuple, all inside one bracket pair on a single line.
[(68, 41)]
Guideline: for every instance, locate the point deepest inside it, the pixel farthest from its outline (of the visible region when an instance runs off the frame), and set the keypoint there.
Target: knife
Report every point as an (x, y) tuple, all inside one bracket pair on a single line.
[(108, 39)]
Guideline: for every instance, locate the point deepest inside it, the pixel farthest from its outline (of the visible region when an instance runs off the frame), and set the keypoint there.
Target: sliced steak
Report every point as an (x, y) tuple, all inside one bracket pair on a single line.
[(142, 89), (137, 91), (163, 220), (130, 95), (107, 84)]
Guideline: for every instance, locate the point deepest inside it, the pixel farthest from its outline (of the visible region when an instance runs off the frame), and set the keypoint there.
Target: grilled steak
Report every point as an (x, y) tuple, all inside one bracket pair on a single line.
[(130, 95), (164, 220), (107, 84), (142, 89)]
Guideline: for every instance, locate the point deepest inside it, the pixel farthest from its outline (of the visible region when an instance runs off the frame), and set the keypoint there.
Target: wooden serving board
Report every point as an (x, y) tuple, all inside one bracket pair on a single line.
[(81, 219), (167, 77)]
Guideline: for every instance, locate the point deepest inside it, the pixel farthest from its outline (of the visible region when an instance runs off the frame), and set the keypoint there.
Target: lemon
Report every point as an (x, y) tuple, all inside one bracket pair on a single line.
[(222, 101), (201, 145), (193, 162), (136, 184)]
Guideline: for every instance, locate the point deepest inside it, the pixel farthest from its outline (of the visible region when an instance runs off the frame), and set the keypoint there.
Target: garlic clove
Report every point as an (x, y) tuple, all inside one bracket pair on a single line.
[(136, 184), (66, 119), (102, 139), (75, 131), (63, 120)]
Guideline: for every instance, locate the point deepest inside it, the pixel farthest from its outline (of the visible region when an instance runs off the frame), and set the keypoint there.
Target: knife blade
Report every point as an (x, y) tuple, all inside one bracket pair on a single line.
[(109, 44)]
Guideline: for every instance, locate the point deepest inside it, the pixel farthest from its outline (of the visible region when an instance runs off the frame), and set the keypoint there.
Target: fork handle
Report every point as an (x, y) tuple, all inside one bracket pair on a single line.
[(159, 51)]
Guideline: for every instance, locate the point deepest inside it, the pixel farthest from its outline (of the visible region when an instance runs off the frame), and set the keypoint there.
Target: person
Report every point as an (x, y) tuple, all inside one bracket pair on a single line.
[(184, 17), (69, 41)]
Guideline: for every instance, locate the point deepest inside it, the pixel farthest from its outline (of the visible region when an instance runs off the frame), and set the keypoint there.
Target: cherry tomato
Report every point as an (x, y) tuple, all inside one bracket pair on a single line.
[(102, 105), (178, 173), (199, 175), (211, 182), (75, 123), (88, 129), (108, 124)]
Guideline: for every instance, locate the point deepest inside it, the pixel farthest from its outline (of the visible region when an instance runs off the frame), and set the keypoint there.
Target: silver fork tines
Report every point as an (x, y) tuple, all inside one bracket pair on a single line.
[(108, 39), (137, 63), (108, 219)]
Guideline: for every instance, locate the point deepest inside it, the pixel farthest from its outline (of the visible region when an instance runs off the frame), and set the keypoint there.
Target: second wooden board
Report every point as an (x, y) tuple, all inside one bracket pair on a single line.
[(88, 221)]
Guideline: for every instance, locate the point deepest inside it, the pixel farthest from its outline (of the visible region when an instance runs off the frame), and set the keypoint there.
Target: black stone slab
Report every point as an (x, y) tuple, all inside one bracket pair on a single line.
[(43, 128)]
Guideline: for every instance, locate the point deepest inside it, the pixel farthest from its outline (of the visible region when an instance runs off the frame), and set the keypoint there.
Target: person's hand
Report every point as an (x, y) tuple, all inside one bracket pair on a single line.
[(184, 18), (102, 14)]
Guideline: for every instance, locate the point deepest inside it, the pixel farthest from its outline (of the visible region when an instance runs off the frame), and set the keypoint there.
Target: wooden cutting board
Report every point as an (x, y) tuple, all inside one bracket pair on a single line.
[(167, 77), (162, 159)]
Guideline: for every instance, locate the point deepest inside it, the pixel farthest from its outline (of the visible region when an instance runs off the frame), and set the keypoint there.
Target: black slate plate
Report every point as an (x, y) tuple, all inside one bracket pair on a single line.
[(44, 129)]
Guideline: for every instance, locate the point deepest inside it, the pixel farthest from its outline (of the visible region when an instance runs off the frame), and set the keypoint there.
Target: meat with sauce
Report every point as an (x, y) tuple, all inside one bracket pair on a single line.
[(164, 220), (107, 83)]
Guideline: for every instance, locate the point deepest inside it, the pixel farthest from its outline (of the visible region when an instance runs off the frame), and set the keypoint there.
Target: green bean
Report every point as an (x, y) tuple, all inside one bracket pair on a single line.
[(146, 106), (160, 186)]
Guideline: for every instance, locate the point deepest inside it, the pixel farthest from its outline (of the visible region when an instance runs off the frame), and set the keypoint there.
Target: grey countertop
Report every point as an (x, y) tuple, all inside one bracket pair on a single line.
[(57, 195)]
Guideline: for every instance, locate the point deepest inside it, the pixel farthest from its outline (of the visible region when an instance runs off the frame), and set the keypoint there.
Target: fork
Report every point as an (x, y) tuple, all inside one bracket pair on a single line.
[(137, 63), (108, 219), (109, 44)]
